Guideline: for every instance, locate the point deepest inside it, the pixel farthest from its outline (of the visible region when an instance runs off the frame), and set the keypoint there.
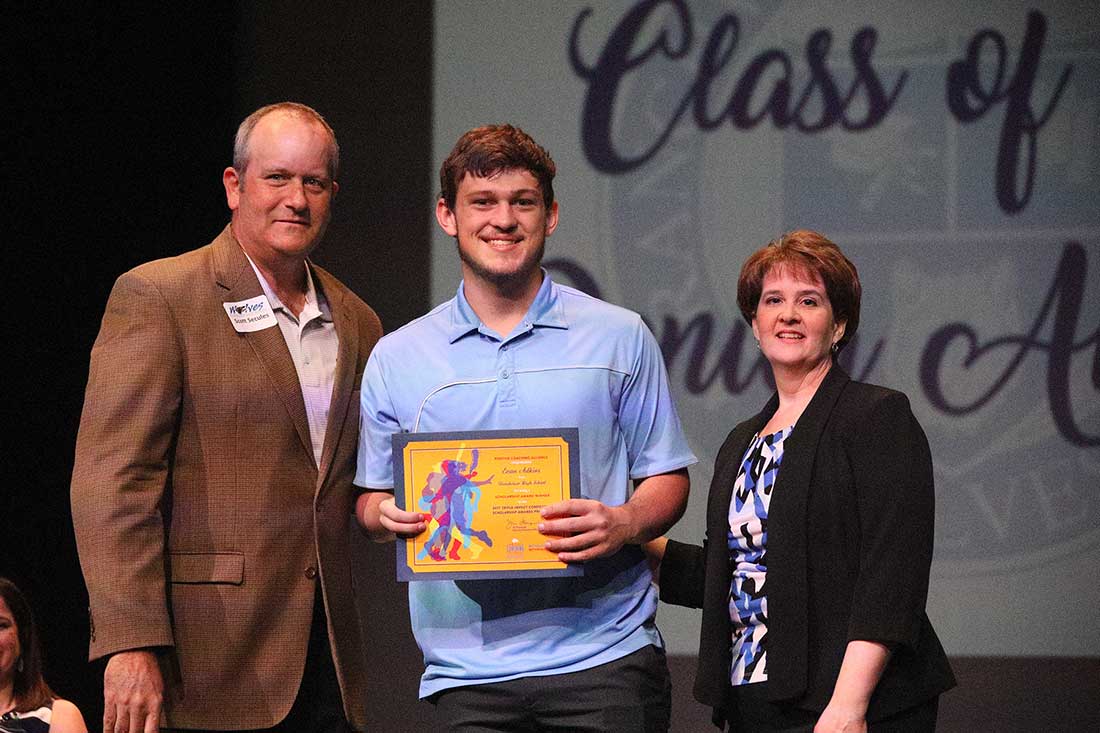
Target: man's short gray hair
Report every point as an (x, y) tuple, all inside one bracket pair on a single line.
[(302, 111)]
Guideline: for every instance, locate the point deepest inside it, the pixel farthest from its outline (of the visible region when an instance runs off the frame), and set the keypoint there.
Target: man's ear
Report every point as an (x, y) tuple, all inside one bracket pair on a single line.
[(232, 183), (446, 217), (552, 219)]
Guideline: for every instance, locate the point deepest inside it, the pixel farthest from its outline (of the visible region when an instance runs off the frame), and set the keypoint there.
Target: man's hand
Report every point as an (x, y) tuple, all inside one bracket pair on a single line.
[(133, 691), (398, 521), (584, 529), (380, 516)]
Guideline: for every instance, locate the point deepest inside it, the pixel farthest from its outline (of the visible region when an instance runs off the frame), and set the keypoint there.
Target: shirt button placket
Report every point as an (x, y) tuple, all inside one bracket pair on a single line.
[(506, 375)]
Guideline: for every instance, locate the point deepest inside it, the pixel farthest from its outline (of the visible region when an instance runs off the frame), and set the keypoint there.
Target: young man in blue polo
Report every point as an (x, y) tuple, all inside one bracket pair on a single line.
[(515, 350)]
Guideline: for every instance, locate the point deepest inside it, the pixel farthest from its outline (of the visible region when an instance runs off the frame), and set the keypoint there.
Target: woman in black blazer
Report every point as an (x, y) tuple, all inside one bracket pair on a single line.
[(814, 572)]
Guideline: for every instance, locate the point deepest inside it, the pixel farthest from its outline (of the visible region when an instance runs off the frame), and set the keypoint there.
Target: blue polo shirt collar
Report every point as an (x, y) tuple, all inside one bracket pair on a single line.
[(546, 311)]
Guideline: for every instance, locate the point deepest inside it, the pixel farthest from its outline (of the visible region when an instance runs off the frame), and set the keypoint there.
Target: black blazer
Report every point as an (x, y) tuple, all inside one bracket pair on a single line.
[(850, 529)]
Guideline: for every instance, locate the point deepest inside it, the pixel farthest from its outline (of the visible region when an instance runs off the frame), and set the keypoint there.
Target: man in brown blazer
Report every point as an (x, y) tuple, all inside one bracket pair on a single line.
[(212, 485)]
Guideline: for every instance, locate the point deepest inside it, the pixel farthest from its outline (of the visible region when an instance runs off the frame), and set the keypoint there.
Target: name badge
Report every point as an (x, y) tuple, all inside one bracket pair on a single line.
[(254, 314)]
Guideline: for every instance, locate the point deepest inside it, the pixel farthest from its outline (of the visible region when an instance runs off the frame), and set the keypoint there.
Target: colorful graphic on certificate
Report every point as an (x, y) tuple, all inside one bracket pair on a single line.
[(480, 493)]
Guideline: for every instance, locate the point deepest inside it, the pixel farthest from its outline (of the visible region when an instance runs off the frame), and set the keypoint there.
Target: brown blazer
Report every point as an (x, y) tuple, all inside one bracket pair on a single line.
[(202, 521)]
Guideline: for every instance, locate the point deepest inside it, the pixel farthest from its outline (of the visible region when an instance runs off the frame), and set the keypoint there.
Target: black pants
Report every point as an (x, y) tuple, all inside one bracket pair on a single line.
[(754, 713), (628, 695)]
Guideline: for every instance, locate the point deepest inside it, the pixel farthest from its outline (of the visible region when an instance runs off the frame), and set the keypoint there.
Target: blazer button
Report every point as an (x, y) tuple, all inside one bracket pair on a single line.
[(311, 572)]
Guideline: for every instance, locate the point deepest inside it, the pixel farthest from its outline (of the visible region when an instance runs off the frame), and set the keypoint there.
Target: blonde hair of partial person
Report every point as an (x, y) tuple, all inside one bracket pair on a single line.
[(22, 686)]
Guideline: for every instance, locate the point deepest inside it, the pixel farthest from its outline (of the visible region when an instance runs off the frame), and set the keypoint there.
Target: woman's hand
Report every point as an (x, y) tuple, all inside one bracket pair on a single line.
[(654, 553), (859, 674), (836, 718)]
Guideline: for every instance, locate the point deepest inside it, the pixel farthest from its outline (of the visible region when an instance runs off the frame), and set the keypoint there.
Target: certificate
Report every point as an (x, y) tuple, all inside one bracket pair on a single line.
[(480, 494)]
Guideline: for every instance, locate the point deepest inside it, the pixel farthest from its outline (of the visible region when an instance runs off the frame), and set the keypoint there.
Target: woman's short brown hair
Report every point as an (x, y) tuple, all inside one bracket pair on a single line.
[(491, 149), (812, 253), (30, 689)]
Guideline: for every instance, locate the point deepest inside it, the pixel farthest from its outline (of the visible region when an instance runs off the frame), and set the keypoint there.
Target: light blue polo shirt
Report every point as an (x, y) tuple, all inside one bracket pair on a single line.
[(574, 361)]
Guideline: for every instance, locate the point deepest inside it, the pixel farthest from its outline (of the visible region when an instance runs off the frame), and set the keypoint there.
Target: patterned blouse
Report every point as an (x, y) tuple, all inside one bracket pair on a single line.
[(748, 548), (33, 721)]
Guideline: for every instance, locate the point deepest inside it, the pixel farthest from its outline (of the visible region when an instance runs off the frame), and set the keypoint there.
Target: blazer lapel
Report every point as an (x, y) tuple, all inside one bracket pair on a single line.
[(233, 273), (787, 579), (726, 466), (347, 331), (714, 663)]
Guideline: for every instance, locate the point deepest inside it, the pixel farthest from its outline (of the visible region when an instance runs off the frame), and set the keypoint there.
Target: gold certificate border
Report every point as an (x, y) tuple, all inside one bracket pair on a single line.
[(482, 517)]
